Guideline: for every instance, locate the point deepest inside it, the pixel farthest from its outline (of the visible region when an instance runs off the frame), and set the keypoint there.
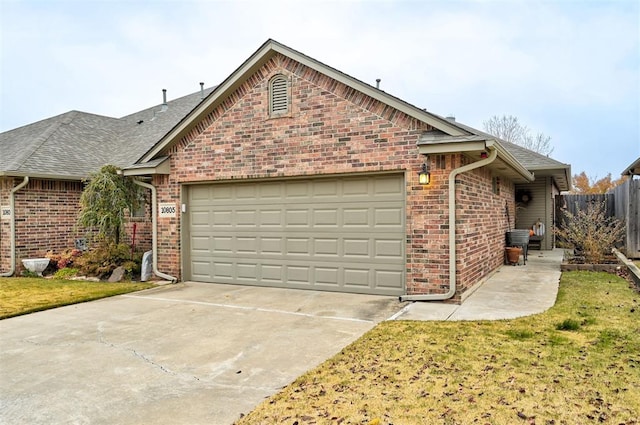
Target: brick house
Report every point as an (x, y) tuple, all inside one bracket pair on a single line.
[(45, 163), (293, 174)]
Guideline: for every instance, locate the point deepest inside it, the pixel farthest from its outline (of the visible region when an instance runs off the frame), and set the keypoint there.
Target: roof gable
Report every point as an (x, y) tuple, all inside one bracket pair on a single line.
[(74, 144), (252, 65)]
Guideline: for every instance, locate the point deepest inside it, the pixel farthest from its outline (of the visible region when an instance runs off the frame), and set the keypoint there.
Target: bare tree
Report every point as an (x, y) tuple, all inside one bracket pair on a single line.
[(507, 127), (540, 143)]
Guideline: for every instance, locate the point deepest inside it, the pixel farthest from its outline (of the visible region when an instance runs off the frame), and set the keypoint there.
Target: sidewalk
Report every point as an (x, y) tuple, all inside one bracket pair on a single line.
[(512, 291)]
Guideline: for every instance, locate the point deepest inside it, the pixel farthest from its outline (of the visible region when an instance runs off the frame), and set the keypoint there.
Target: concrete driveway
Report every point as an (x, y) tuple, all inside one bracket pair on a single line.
[(189, 353)]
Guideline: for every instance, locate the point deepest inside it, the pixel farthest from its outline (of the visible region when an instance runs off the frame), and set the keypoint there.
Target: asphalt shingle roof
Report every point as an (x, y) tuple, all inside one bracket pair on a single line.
[(531, 160), (74, 144)]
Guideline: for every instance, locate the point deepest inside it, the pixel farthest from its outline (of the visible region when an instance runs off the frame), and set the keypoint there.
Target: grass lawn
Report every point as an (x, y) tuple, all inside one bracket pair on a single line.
[(577, 363), (22, 295)]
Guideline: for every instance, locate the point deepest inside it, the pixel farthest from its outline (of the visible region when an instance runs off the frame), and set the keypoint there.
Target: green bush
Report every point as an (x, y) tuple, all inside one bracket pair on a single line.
[(105, 202), (66, 273), (29, 273)]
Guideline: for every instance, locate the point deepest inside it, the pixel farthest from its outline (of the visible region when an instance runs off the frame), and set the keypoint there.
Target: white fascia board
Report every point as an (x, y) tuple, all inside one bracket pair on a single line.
[(163, 168), (451, 147)]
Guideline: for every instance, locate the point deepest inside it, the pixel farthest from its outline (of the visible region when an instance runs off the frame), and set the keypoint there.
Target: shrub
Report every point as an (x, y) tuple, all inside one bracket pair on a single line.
[(105, 202), (66, 273), (65, 258), (103, 259), (591, 232)]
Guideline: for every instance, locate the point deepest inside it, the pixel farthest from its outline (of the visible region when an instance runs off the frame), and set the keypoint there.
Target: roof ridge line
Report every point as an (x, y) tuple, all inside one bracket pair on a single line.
[(42, 138), (170, 102)]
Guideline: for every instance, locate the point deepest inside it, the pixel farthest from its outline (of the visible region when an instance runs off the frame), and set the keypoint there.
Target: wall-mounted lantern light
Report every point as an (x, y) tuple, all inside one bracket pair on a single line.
[(424, 177)]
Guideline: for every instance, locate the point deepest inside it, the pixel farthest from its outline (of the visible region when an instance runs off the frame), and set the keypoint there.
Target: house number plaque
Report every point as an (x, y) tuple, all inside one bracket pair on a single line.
[(167, 210), (5, 213)]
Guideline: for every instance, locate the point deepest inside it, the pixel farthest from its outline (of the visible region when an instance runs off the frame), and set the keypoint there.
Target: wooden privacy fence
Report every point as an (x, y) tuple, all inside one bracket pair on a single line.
[(627, 207), (622, 202)]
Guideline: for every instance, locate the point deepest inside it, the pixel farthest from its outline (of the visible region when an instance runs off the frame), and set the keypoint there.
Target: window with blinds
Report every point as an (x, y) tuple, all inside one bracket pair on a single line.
[(278, 96)]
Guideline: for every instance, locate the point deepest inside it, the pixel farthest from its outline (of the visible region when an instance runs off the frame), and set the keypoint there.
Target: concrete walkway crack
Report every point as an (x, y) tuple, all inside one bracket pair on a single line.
[(151, 362), (103, 341)]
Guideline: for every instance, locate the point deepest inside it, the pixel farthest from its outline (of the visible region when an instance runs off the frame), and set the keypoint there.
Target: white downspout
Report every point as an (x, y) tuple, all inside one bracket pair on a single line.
[(452, 230), (154, 230), (12, 205)]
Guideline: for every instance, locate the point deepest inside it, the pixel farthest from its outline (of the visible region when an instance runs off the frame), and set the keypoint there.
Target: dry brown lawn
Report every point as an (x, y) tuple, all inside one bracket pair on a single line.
[(578, 363)]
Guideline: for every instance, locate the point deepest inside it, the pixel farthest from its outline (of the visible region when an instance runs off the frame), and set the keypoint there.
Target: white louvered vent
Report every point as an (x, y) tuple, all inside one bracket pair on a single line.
[(279, 96)]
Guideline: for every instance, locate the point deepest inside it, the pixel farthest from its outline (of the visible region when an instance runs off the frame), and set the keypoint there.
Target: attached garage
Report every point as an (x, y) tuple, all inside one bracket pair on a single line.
[(292, 174), (342, 234)]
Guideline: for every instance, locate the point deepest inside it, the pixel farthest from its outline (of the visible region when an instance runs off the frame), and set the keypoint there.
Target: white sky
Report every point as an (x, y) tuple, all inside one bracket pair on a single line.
[(569, 69)]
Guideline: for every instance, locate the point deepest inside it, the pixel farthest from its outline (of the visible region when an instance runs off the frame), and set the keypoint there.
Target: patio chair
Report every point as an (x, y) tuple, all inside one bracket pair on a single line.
[(536, 235)]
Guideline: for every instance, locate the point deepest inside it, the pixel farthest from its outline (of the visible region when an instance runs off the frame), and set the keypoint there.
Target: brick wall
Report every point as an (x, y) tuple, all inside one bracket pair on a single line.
[(168, 229), (46, 213), (143, 228), (482, 224), (332, 129), (5, 243)]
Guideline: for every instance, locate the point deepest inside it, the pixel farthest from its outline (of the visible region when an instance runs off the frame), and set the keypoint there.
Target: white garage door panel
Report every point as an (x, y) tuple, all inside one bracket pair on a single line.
[(339, 234)]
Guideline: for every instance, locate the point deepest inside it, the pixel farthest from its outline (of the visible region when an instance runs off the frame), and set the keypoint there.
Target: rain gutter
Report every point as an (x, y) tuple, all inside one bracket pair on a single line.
[(154, 230), (452, 229), (12, 205)]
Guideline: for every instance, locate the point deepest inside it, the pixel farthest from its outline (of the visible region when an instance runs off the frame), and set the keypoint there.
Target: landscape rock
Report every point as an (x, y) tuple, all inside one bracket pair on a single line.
[(117, 275)]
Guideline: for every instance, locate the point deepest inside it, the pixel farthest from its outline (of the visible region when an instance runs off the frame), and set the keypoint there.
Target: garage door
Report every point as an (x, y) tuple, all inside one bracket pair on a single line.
[(334, 234)]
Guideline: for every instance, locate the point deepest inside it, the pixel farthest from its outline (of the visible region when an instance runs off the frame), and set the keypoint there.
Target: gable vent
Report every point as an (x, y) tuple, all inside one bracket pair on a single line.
[(278, 96)]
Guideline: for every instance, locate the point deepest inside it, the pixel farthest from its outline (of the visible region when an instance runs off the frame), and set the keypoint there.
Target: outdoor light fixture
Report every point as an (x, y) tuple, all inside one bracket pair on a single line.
[(424, 176)]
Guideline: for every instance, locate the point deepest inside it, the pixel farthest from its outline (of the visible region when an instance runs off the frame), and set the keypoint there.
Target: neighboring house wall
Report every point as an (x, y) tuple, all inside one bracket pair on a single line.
[(6, 184), (335, 130), (45, 214)]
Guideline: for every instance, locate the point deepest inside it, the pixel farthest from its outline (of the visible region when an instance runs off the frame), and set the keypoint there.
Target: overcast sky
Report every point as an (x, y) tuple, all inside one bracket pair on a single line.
[(568, 69)]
